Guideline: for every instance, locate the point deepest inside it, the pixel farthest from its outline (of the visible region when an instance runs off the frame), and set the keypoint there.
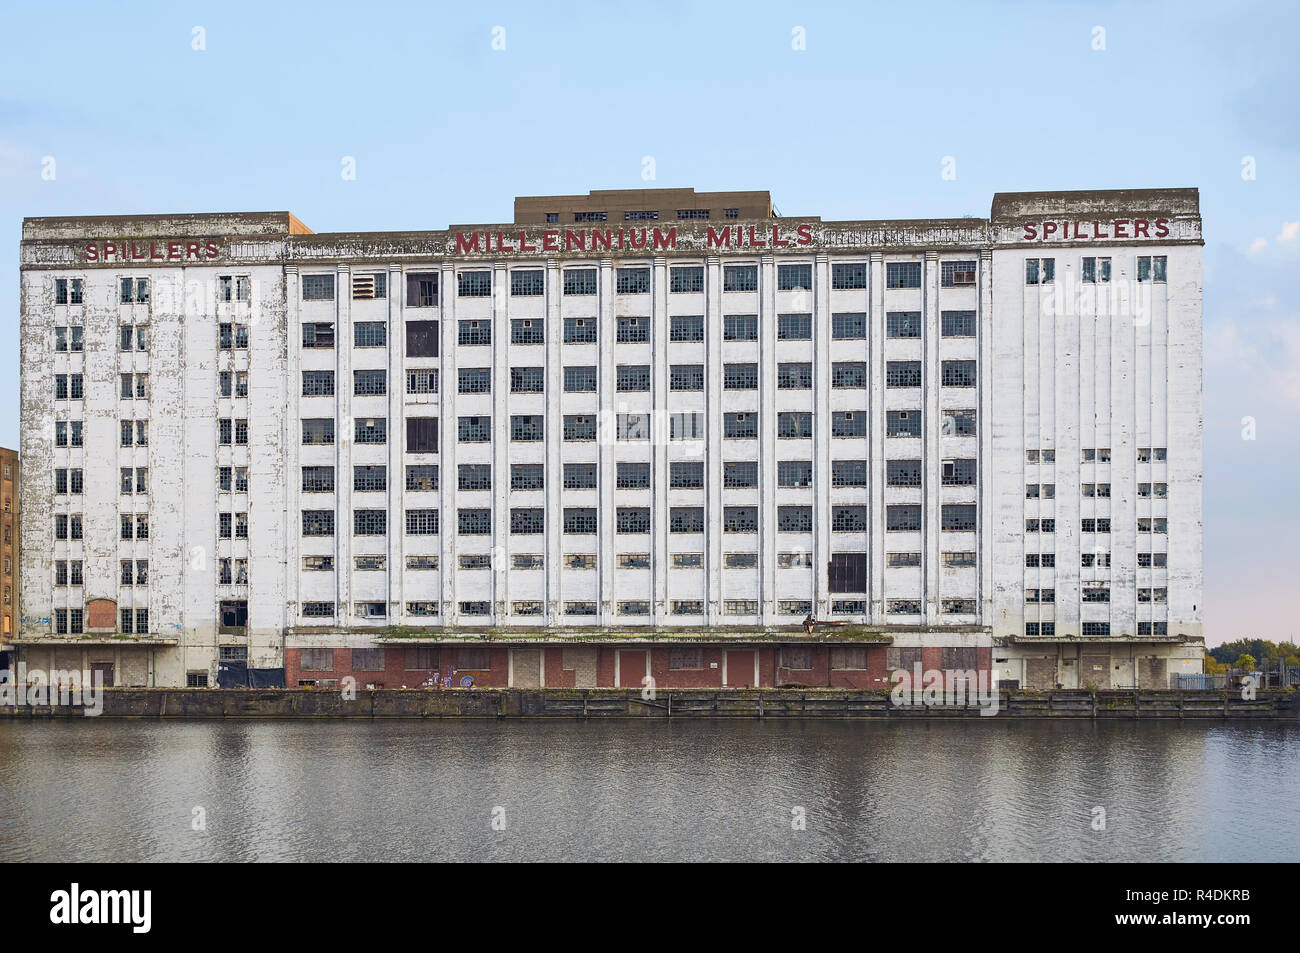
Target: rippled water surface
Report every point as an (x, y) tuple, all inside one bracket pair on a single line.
[(617, 790)]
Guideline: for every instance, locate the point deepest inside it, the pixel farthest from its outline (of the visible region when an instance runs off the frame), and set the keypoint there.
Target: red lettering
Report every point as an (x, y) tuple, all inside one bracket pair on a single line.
[(466, 243), (752, 239), (620, 239), (1097, 232), (574, 240), (550, 240), (719, 239), (1162, 227), (777, 240), (173, 250), (92, 252), (212, 250), (134, 255), (109, 250), (191, 250), (1048, 229), (1031, 231), (632, 238), (605, 238), (668, 240), (523, 243), (1140, 228), (805, 235), (1121, 228), (502, 244)]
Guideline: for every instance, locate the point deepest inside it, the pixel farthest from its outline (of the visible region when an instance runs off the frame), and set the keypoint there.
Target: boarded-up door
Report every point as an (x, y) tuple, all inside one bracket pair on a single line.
[(1094, 671), (631, 667), (105, 669), (582, 663), (1040, 674), (1151, 673), (740, 668), (526, 668)]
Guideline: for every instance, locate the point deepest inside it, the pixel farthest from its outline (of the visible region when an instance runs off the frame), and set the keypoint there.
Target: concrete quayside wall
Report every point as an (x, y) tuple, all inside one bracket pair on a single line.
[(677, 703)]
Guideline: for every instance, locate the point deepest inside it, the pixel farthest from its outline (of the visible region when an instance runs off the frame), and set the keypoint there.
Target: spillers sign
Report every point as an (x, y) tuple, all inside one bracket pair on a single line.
[(131, 251), (627, 239), (1095, 231)]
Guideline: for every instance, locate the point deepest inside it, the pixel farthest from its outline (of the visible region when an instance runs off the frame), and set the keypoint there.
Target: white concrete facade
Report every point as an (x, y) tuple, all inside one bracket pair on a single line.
[(999, 370)]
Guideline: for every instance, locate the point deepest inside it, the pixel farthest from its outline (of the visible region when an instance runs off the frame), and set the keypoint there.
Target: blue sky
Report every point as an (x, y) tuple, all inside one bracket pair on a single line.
[(446, 129)]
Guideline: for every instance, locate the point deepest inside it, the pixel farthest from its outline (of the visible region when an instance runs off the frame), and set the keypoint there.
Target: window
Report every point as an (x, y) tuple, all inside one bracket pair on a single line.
[(849, 423), (369, 479), (687, 560), (422, 290), (526, 427), (633, 476), (903, 606), (739, 277), (740, 376), (740, 560), (527, 284), (318, 334), (849, 326), (314, 384), (526, 521), (1096, 270), (369, 522), (902, 472), (579, 520), (686, 475), (686, 607), (799, 560), (314, 610), (474, 333), (794, 376), (633, 281), (632, 427), (684, 279), (1152, 268), (632, 330), (793, 473), (580, 476), (472, 476), (902, 518), (794, 277), (903, 324), (526, 476), (422, 522), (903, 274), (318, 287), (740, 327), (794, 519), (580, 608), (959, 560), (740, 519), (686, 519), (369, 334), (1040, 271), (794, 424), (958, 518), (580, 281), (474, 380), (580, 379), (794, 327), (959, 472), (902, 373), (957, 423), (422, 341), (579, 427), (958, 374), (848, 275), (579, 330), (957, 324), (318, 563), (473, 522), (686, 327), (370, 430), (902, 560), (634, 561), (686, 377), (848, 519), (314, 479), (473, 284), (422, 477), (648, 215), (369, 383), (954, 274), (740, 474), (526, 561), (317, 522), (742, 426), (632, 519), (135, 290)]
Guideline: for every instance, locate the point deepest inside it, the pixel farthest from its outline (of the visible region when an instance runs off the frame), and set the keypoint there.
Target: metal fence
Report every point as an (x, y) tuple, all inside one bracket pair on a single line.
[(1200, 682)]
